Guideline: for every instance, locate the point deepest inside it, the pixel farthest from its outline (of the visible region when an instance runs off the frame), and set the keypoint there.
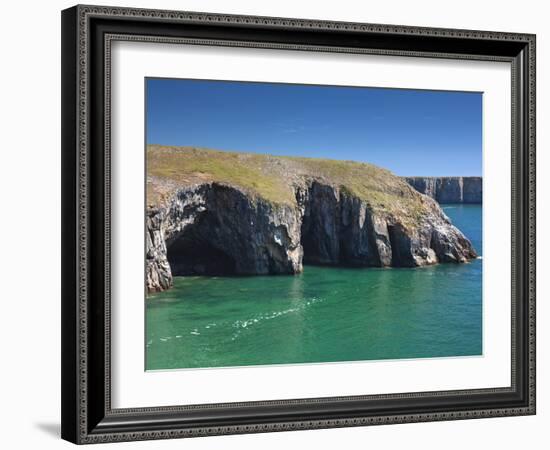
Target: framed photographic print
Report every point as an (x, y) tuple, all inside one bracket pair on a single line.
[(276, 224)]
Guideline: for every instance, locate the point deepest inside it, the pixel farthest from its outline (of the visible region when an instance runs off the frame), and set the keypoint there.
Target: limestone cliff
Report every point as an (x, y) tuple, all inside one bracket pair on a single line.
[(449, 189), (221, 213)]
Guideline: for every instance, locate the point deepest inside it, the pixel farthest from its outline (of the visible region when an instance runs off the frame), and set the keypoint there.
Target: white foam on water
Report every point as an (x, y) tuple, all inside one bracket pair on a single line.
[(241, 324)]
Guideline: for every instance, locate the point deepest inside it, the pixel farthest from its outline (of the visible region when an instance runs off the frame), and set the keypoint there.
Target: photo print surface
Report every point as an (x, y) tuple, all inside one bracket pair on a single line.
[(299, 224)]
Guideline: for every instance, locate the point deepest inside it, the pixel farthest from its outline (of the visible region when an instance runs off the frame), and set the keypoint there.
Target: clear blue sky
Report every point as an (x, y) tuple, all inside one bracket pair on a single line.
[(411, 132)]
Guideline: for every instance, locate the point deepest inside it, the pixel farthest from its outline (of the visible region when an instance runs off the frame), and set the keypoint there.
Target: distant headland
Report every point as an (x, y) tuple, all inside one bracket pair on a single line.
[(449, 189)]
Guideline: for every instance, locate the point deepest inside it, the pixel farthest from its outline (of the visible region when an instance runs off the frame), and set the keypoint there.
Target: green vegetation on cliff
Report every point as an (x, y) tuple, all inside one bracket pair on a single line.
[(274, 178)]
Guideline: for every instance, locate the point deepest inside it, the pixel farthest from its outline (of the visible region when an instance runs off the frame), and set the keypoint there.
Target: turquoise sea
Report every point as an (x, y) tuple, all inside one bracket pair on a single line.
[(325, 314)]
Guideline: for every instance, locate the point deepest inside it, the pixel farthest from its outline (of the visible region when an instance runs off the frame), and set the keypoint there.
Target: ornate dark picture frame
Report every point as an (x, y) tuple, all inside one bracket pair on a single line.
[(87, 33)]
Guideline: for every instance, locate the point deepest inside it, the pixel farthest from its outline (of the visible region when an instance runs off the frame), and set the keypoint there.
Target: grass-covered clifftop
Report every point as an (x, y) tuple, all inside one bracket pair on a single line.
[(274, 178), (219, 213)]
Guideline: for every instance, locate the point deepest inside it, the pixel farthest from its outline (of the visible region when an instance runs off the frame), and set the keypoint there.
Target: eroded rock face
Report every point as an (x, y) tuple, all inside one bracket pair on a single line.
[(216, 229), (212, 229), (158, 274), (340, 229), (473, 189), (449, 189)]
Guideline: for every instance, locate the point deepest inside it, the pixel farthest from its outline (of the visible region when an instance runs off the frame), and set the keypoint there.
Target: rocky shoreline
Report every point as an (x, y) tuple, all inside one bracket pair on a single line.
[(215, 228)]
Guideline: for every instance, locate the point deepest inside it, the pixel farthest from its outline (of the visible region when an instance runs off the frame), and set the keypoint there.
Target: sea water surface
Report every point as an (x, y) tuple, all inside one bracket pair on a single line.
[(325, 314)]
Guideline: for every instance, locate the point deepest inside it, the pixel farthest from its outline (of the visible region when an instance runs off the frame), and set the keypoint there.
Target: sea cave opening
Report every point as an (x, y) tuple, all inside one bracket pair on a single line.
[(190, 253)]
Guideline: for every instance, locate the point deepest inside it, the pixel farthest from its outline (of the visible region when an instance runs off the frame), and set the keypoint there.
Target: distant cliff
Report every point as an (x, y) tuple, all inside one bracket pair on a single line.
[(449, 189), (226, 213)]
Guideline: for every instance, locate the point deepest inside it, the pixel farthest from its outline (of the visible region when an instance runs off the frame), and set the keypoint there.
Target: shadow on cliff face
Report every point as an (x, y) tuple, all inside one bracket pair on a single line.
[(192, 253), (400, 246), (216, 230)]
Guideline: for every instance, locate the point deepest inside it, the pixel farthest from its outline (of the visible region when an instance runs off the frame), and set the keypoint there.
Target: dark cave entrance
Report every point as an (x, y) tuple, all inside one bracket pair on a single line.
[(401, 247), (311, 246), (191, 253), (320, 238), (392, 234)]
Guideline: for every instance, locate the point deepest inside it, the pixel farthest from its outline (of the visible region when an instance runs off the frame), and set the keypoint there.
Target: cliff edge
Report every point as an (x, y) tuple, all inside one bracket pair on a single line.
[(227, 213), (449, 189)]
